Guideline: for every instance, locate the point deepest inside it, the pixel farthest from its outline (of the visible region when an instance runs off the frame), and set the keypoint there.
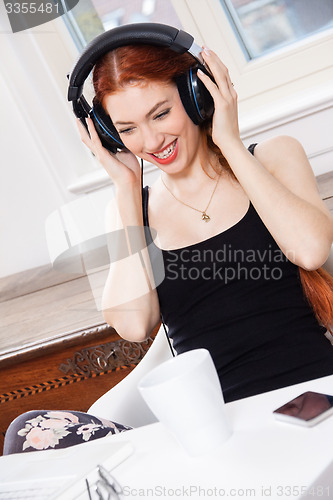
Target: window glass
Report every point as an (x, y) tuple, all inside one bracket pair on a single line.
[(265, 25), (91, 17)]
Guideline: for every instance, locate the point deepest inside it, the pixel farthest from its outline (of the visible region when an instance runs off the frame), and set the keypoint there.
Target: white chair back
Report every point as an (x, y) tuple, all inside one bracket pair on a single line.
[(123, 403)]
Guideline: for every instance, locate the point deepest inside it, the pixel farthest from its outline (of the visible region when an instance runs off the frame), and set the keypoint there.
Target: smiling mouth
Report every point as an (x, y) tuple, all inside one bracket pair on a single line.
[(163, 155)]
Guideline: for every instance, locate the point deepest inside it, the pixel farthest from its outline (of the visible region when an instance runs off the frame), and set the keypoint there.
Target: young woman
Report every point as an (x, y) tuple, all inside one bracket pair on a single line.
[(234, 239), (241, 234)]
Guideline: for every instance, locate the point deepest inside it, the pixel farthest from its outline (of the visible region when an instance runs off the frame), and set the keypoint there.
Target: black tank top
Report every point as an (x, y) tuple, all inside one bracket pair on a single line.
[(238, 296)]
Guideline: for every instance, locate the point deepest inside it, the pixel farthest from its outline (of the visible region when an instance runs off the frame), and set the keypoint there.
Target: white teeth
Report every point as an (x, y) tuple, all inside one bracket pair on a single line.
[(167, 152)]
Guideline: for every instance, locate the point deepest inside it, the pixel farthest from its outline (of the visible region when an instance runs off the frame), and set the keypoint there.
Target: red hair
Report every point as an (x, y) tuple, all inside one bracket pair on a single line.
[(318, 290), (137, 64)]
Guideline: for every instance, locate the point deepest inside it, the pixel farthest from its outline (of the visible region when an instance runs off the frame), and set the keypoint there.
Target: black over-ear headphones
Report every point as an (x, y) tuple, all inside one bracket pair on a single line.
[(196, 99)]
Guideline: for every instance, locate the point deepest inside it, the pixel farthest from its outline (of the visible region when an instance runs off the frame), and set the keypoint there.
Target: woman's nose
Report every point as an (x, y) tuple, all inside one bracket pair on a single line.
[(153, 141)]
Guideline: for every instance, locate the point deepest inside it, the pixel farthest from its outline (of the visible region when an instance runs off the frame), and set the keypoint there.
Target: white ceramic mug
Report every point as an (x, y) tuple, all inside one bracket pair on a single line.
[(185, 395)]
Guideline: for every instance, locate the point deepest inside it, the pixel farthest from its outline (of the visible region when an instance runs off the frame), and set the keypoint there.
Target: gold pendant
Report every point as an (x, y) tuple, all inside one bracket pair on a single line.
[(205, 217)]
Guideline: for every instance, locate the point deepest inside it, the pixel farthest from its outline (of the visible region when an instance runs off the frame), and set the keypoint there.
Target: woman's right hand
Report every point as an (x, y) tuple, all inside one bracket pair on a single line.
[(123, 167)]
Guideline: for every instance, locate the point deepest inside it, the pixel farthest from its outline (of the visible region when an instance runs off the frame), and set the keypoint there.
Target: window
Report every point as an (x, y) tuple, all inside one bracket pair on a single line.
[(89, 18), (287, 73), (266, 25)]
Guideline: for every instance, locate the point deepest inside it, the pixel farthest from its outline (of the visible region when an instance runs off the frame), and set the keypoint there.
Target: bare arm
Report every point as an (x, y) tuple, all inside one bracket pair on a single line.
[(281, 185), (130, 302)]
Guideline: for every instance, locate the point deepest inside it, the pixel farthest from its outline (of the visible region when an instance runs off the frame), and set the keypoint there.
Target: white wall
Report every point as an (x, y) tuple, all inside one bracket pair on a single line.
[(307, 119), (41, 154), (40, 148), (27, 191)]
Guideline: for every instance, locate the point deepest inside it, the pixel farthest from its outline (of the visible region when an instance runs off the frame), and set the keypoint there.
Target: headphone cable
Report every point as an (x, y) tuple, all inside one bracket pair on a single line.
[(144, 228)]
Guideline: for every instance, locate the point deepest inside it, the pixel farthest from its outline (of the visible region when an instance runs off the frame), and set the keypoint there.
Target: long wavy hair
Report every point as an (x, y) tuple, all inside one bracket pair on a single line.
[(137, 64)]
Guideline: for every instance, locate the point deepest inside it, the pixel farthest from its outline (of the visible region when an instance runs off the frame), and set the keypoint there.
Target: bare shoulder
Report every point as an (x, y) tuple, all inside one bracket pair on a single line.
[(285, 158), (278, 153)]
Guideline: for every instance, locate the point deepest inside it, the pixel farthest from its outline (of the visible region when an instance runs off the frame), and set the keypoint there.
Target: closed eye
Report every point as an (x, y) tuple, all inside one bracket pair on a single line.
[(162, 115), (159, 116), (126, 130)]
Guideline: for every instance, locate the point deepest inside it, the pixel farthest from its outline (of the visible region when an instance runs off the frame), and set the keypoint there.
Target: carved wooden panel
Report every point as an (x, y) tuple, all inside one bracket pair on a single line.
[(109, 356)]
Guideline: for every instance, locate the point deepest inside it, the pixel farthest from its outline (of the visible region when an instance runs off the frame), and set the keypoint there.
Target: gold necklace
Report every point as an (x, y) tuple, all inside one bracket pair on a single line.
[(204, 216)]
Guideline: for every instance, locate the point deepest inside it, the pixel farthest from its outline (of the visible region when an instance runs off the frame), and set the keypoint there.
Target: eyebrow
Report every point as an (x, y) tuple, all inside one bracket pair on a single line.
[(152, 111)]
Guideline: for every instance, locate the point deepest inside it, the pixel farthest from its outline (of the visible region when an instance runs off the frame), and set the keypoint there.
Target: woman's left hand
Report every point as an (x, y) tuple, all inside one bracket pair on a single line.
[(225, 129)]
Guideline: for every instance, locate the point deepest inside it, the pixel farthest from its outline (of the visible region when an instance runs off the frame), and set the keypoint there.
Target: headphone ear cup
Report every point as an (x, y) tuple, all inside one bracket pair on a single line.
[(196, 99), (105, 129)]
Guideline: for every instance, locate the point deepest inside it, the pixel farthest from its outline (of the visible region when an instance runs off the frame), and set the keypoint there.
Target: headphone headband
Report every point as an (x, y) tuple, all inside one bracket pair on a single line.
[(138, 33)]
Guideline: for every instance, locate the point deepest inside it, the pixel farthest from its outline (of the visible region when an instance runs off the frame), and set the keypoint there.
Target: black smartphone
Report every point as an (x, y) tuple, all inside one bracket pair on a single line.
[(308, 409)]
